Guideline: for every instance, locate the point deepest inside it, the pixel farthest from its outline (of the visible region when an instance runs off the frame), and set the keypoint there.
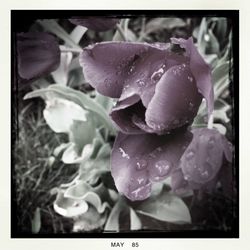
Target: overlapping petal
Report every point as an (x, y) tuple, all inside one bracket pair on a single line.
[(204, 157), (116, 67), (95, 23), (169, 85), (139, 160), (38, 54), (176, 100), (200, 69)]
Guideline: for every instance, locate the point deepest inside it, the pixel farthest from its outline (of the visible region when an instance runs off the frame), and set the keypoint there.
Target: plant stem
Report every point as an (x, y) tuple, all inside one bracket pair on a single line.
[(121, 32), (210, 122), (73, 50)]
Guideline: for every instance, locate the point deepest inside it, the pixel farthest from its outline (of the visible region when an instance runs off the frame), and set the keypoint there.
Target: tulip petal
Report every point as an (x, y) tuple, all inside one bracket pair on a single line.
[(123, 69), (122, 114), (139, 160), (200, 70), (38, 54), (95, 23), (203, 158), (175, 102)]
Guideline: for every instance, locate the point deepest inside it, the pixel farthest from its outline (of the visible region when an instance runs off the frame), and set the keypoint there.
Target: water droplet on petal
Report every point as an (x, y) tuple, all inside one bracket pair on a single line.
[(156, 76), (140, 180), (140, 83), (190, 78), (190, 155), (141, 192), (190, 106), (141, 164), (124, 154), (163, 167), (187, 177)]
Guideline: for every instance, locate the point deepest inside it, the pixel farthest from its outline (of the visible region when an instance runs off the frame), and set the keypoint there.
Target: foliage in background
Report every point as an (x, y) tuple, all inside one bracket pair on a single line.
[(85, 192)]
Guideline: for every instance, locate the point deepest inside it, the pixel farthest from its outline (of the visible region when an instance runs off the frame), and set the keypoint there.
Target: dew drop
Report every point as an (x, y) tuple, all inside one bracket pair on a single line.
[(190, 155), (141, 164), (140, 180), (190, 78), (187, 177), (156, 76), (140, 83), (141, 192), (124, 154), (190, 106), (163, 167)]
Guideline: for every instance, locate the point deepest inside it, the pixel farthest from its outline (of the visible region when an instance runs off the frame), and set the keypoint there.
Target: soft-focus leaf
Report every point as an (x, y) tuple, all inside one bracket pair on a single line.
[(69, 207), (222, 129), (83, 191), (105, 101), (78, 97), (61, 74), (213, 46), (60, 114), (36, 221), (112, 223), (165, 207), (135, 222), (220, 76), (52, 26), (77, 33), (200, 39), (130, 36), (82, 132), (104, 151), (164, 23), (89, 221)]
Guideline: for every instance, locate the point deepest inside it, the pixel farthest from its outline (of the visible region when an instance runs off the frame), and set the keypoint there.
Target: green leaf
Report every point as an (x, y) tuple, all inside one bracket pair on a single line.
[(89, 221), (164, 23), (135, 222), (82, 132), (52, 26), (77, 33), (36, 221), (69, 207), (105, 102), (61, 74), (104, 151), (165, 207), (78, 97), (220, 78), (112, 223), (130, 36), (83, 191), (61, 113)]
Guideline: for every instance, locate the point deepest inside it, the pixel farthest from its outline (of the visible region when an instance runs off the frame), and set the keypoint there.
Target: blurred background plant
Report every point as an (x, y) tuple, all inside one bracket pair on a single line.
[(62, 182)]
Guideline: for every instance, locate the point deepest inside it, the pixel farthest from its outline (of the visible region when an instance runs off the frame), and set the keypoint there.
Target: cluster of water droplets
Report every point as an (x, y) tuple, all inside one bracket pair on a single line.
[(142, 192), (163, 167), (178, 70)]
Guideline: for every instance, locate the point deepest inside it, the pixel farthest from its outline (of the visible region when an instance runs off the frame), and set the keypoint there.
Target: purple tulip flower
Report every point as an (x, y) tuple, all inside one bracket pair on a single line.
[(158, 90), (159, 93), (38, 54), (95, 23)]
